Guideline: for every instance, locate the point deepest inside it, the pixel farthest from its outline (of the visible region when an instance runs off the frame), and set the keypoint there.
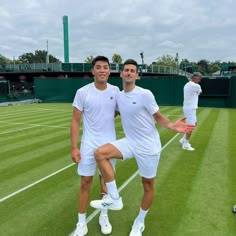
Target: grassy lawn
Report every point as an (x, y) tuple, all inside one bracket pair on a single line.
[(195, 191)]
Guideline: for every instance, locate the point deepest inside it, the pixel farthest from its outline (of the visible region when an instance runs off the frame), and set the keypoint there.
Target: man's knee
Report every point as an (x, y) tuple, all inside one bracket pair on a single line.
[(99, 155), (86, 184), (148, 184)]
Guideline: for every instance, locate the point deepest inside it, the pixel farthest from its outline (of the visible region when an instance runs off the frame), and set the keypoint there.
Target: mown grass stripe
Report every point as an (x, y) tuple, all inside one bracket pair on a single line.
[(34, 183), (35, 119), (36, 132), (176, 173), (29, 145), (209, 198)]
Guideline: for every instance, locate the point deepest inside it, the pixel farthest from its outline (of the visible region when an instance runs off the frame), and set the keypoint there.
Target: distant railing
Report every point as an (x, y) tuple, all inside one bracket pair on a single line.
[(86, 67), (31, 67)]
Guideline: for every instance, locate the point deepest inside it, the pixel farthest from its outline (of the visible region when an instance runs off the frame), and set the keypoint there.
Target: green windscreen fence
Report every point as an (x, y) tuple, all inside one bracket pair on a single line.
[(3, 88), (168, 91)]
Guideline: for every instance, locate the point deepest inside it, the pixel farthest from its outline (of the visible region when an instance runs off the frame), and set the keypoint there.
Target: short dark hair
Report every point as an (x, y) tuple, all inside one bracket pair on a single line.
[(131, 62), (196, 74), (100, 58)]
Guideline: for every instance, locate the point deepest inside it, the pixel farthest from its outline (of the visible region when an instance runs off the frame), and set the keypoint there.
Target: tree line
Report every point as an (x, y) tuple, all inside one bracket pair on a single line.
[(204, 66)]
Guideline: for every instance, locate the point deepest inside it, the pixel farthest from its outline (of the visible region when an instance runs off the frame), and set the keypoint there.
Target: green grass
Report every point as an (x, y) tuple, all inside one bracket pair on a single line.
[(195, 191)]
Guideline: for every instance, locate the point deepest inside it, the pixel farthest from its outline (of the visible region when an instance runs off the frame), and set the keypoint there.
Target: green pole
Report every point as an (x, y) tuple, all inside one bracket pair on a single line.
[(66, 39), (177, 62)]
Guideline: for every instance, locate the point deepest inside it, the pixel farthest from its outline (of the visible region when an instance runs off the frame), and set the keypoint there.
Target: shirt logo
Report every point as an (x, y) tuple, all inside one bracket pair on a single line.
[(134, 102), (111, 98)]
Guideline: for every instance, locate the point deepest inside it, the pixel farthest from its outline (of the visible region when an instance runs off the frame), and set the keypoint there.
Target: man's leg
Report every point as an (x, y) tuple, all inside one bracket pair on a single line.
[(106, 227), (103, 154), (148, 196), (86, 182), (188, 135), (83, 199), (191, 118)]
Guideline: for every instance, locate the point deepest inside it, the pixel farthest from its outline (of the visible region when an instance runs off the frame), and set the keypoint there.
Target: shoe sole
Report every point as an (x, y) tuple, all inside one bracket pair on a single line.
[(85, 233), (188, 149), (104, 232)]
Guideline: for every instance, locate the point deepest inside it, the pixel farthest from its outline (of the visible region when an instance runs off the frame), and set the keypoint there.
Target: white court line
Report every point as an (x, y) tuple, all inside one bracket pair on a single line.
[(48, 109), (94, 213), (9, 113), (34, 125), (33, 184), (12, 131)]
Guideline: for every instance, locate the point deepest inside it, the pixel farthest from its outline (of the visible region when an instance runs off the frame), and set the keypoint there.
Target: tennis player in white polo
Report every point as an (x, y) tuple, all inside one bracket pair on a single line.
[(192, 90), (138, 110)]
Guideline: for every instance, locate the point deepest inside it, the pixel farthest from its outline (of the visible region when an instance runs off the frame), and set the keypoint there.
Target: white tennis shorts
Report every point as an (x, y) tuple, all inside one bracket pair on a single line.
[(88, 165), (191, 117), (147, 164)]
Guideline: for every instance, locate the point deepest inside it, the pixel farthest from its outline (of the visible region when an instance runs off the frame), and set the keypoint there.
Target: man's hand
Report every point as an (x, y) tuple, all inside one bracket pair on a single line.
[(181, 127), (75, 155)]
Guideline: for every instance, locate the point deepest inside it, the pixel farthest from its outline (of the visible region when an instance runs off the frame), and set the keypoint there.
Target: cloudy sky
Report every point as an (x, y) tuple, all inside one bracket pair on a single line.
[(195, 29)]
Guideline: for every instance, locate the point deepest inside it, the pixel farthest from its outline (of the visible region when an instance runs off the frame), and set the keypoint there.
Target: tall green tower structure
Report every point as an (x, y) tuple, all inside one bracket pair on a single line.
[(66, 39)]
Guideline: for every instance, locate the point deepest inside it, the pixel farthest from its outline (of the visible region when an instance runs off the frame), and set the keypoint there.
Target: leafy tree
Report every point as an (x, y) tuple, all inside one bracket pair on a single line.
[(166, 60), (89, 59), (203, 66), (214, 67), (187, 66), (116, 58), (39, 56), (4, 60)]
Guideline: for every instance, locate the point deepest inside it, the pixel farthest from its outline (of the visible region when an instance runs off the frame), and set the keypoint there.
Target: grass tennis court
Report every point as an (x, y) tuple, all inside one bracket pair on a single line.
[(195, 191)]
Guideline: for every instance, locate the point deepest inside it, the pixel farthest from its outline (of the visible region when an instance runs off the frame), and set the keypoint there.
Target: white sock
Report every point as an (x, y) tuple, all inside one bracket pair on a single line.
[(104, 212), (142, 214), (82, 218), (112, 189)]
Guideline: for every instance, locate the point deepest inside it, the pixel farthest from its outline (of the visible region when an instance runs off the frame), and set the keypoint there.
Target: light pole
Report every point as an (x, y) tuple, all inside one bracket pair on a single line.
[(141, 71), (141, 54), (47, 56), (177, 62)]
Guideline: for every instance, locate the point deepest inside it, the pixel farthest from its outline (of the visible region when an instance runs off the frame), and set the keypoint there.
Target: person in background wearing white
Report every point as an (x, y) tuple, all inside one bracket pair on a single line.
[(192, 90)]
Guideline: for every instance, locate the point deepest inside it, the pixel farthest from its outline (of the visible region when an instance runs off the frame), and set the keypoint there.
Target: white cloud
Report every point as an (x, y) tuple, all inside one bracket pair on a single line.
[(195, 29)]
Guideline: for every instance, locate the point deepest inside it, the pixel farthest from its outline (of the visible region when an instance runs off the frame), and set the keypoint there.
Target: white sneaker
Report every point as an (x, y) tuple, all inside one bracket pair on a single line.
[(104, 222), (81, 229), (137, 228), (108, 203), (187, 146)]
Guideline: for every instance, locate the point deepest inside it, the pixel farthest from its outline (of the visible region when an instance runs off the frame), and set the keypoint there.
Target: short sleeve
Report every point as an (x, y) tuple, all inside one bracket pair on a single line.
[(150, 102)]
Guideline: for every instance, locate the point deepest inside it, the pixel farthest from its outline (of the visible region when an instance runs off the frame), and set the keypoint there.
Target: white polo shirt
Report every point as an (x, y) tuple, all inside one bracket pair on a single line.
[(191, 94), (136, 110), (98, 107)]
